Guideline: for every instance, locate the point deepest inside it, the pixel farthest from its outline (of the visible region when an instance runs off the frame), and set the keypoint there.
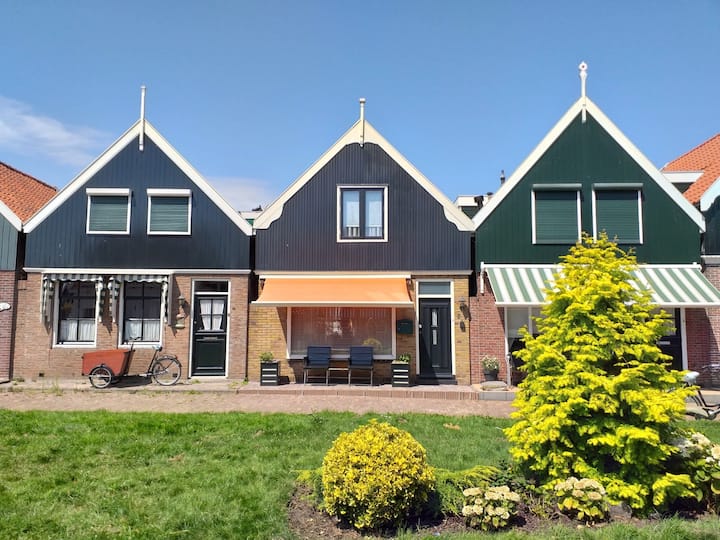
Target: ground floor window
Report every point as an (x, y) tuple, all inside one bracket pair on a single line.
[(517, 318), (341, 328), (76, 312), (142, 312)]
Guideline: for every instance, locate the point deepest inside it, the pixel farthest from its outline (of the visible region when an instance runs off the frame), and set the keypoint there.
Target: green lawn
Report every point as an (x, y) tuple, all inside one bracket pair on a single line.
[(142, 475)]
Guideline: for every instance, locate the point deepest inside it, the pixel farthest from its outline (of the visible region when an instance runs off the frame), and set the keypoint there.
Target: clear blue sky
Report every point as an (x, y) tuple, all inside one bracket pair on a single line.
[(253, 92)]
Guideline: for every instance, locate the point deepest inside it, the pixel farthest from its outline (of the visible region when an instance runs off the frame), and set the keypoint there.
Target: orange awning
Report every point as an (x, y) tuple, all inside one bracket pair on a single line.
[(331, 291)]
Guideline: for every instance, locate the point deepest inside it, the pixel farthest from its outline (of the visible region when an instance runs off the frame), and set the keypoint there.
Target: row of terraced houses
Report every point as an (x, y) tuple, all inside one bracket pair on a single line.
[(361, 249)]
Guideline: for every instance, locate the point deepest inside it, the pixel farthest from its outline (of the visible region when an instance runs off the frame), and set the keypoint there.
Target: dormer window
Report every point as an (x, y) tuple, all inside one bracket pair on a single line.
[(108, 211), (362, 213), (169, 211)]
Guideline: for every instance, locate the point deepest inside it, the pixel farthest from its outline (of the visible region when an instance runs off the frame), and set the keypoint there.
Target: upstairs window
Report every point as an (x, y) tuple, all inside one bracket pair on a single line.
[(362, 213), (108, 211), (556, 214), (617, 210), (169, 211)]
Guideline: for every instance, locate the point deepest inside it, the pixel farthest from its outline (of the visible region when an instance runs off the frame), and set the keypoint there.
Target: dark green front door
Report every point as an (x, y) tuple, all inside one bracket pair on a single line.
[(209, 335), (671, 344), (435, 350)]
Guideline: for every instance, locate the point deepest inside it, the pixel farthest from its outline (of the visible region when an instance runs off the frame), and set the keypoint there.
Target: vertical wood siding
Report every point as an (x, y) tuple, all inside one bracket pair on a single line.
[(61, 241), (304, 238), (8, 245), (586, 154)]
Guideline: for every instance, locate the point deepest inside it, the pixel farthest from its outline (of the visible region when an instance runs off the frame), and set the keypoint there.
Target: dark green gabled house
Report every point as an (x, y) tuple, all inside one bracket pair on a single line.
[(585, 176)]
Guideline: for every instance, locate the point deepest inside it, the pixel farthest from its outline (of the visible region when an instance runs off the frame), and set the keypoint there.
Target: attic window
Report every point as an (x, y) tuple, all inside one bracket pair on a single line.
[(108, 211), (169, 211), (617, 210), (362, 213), (556, 214)]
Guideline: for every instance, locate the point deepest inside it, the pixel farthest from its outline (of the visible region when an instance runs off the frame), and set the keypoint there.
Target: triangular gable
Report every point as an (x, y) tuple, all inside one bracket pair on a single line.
[(704, 161), (362, 130), (127, 138), (619, 138)]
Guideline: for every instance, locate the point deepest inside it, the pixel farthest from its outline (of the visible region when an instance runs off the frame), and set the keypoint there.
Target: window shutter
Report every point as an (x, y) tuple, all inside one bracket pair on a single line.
[(108, 213), (169, 214), (617, 214), (556, 217)]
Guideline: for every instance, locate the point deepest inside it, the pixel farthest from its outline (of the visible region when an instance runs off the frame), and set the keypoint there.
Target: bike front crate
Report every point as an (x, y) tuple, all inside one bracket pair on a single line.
[(116, 360)]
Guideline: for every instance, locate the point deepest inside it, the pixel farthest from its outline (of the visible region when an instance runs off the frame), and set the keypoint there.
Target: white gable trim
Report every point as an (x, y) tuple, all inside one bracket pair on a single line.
[(616, 134), (711, 193), (370, 135), (114, 149), (10, 216)]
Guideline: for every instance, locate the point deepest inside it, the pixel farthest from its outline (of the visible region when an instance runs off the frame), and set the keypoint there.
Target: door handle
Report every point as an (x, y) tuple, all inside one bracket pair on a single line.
[(663, 342)]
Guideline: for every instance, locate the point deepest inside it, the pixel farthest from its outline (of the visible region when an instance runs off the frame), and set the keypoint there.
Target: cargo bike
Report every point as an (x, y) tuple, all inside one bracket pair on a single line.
[(107, 367)]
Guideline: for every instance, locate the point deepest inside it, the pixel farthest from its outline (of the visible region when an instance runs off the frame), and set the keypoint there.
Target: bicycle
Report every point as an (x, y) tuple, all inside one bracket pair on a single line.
[(702, 409), (107, 367)]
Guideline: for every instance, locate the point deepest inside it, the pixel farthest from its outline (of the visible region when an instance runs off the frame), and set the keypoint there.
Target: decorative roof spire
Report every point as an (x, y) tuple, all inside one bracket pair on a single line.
[(362, 121), (583, 77), (142, 118)]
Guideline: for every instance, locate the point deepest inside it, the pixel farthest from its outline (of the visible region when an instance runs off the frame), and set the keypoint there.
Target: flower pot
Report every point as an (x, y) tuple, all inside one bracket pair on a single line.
[(491, 375), (400, 374), (269, 373)]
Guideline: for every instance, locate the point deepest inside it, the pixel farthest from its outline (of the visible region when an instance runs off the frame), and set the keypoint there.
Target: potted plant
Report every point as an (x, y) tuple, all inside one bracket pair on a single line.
[(269, 369), (491, 367), (401, 370)]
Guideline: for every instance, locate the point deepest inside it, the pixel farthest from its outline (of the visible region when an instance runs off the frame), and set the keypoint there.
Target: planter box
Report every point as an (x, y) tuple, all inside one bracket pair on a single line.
[(269, 373), (400, 374)]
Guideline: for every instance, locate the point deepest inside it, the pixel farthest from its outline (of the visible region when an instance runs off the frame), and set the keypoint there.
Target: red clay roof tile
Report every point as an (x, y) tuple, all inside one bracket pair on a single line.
[(704, 157), (22, 193)]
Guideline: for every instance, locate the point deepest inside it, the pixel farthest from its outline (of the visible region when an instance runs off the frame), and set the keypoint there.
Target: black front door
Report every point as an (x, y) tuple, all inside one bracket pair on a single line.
[(435, 350), (209, 335), (671, 344)]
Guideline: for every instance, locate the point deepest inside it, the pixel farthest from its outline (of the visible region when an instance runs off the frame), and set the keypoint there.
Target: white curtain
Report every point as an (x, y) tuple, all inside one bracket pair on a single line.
[(351, 213), (373, 213)]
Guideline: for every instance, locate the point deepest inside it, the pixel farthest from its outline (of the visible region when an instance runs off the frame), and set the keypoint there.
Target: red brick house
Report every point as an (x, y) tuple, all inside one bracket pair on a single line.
[(21, 196), (697, 174)]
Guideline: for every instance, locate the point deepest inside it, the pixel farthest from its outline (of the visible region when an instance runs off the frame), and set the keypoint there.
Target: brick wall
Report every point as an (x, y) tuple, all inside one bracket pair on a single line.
[(35, 356), (487, 332), (7, 319), (706, 359)]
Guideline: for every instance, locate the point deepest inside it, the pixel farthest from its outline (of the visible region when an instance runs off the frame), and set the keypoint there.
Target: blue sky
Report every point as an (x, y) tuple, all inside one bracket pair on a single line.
[(253, 92)]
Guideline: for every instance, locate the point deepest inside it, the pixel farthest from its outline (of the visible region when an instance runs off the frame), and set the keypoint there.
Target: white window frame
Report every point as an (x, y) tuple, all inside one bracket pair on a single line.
[(56, 325), (360, 187), (121, 321), (393, 319), (161, 192), (619, 187), (107, 192), (556, 187)]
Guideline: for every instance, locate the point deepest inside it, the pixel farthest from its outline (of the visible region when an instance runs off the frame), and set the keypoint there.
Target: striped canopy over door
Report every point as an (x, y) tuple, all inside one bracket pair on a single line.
[(671, 285), (48, 287)]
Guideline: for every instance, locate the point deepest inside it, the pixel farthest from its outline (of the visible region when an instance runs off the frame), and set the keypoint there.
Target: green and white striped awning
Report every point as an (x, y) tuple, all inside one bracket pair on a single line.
[(670, 285)]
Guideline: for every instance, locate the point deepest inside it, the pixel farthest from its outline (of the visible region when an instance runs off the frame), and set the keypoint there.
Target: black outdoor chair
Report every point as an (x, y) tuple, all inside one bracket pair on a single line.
[(361, 359), (701, 408), (318, 358)]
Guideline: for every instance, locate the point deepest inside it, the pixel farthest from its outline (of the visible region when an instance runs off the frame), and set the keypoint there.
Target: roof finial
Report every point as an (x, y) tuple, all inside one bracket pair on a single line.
[(583, 77), (362, 121), (142, 118)]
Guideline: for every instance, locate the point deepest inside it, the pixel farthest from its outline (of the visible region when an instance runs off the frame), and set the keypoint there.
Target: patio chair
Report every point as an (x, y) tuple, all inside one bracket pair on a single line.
[(701, 408), (317, 359), (361, 359)]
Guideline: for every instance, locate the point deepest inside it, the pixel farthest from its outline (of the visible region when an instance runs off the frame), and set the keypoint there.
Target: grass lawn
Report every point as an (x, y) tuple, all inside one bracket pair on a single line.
[(151, 475)]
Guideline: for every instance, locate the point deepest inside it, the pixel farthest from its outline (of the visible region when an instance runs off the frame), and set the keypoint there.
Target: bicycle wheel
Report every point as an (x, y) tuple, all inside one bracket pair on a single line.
[(100, 377), (166, 370)]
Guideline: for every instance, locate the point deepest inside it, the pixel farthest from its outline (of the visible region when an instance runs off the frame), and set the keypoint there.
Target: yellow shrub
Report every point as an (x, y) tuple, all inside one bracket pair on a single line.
[(375, 476)]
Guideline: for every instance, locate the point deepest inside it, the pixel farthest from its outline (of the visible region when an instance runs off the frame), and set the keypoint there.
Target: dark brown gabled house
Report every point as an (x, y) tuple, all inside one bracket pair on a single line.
[(362, 249)]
